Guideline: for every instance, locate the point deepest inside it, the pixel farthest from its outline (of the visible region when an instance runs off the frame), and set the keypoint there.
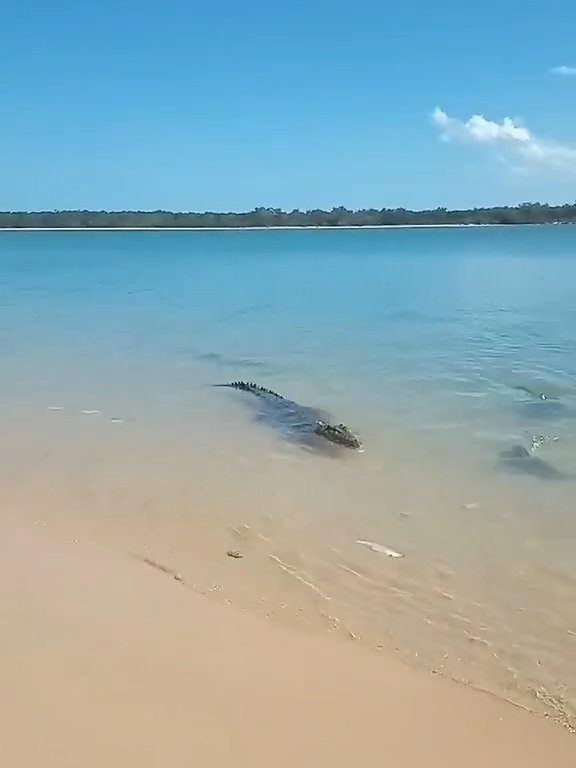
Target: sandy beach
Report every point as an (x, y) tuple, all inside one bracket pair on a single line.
[(107, 661)]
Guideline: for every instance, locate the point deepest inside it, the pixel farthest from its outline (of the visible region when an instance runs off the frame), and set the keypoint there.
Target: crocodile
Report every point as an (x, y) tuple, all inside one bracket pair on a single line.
[(542, 406), (303, 423)]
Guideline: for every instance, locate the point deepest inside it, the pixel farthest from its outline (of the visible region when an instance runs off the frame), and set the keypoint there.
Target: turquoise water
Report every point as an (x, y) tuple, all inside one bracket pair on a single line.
[(458, 317), (425, 341)]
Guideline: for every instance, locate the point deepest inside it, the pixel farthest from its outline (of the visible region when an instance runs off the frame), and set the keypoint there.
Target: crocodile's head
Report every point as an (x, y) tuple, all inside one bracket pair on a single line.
[(338, 433)]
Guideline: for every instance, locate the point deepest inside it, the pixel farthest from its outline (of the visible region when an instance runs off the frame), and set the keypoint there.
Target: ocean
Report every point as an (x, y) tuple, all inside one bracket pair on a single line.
[(451, 352)]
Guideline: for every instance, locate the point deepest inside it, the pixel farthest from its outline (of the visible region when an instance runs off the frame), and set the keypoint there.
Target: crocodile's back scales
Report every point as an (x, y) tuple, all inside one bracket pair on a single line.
[(309, 426)]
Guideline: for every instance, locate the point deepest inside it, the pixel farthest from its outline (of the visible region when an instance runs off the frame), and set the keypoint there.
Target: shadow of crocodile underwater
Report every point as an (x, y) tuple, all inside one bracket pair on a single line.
[(520, 461)]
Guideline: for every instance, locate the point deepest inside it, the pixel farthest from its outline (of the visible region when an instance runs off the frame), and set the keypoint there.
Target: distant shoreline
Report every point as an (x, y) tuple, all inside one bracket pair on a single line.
[(279, 227), (276, 218)]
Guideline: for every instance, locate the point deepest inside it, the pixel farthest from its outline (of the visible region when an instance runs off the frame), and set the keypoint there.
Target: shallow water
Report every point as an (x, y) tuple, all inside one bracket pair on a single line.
[(434, 345)]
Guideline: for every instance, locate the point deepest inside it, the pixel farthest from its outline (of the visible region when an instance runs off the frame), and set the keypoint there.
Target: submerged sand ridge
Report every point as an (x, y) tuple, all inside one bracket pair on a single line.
[(106, 661)]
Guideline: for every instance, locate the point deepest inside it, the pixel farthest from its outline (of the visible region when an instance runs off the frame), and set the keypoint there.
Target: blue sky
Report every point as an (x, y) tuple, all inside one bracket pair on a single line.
[(229, 105)]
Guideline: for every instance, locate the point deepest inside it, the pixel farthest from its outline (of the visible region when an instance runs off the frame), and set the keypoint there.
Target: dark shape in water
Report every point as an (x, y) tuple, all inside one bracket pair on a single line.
[(519, 460), (542, 406), (226, 360), (309, 426), (534, 393)]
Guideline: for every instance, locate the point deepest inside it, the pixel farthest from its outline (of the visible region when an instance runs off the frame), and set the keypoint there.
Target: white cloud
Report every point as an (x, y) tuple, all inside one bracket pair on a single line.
[(564, 70), (477, 128), (508, 136), (439, 117)]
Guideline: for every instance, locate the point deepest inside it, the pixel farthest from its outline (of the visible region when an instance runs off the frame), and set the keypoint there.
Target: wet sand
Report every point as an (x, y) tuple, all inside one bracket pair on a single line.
[(107, 661)]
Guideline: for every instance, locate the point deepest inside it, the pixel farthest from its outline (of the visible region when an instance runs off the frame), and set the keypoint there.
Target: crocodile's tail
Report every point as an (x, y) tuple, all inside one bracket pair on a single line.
[(249, 386)]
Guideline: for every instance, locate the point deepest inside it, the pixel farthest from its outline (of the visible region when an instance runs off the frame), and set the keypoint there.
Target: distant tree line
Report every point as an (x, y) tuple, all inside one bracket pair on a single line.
[(527, 213)]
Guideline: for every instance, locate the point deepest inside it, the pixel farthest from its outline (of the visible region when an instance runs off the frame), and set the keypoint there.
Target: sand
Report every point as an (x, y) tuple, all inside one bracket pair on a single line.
[(105, 661)]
